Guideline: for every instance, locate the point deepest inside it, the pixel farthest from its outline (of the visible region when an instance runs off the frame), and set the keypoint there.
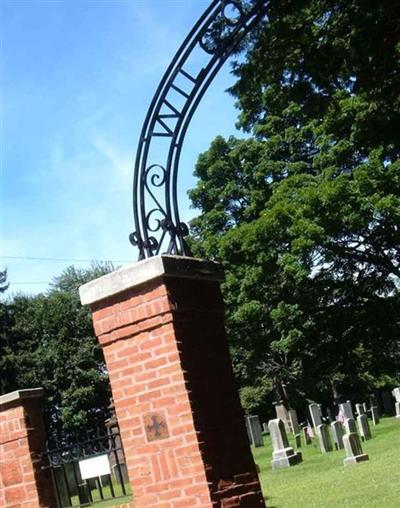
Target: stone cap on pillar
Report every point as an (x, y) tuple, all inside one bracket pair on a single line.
[(145, 271), (20, 396)]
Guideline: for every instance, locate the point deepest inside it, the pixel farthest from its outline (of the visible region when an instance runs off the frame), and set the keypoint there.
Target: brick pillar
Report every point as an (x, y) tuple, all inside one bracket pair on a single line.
[(161, 325), (22, 439)]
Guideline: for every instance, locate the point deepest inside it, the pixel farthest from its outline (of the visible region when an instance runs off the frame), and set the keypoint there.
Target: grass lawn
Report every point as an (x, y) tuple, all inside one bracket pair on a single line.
[(109, 500), (322, 480)]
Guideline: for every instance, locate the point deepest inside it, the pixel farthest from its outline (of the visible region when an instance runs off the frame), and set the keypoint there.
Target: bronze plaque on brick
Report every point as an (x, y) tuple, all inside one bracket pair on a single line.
[(156, 426)]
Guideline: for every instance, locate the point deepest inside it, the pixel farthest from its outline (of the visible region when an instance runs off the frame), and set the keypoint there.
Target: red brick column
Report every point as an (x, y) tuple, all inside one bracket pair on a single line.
[(22, 439), (161, 325)]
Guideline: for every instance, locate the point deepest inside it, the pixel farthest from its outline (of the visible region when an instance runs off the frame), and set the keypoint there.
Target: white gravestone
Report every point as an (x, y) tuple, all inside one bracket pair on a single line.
[(396, 394), (346, 410), (282, 455), (360, 409), (397, 409)]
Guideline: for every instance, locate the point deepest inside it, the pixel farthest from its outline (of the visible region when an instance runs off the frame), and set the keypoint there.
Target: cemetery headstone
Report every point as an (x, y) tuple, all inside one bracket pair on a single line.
[(330, 416), (283, 414), (337, 432), (283, 455), (363, 427), (360, 409), (350, 426), (294, 422), (396, 394), (255, 431), (397, 409), (324, 437), (346, 410), (246, 420), (375, 415), (265, 427), (365, 406), (306, 436), (354, 452), (316, 415), (297, 439)]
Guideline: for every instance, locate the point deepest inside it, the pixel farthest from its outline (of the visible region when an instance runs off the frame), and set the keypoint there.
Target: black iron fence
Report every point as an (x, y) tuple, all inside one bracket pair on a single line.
[(89, 471)]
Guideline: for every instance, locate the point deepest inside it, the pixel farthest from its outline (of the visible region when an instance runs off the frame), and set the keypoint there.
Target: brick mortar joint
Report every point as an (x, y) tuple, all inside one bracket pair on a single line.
[(20, 438)]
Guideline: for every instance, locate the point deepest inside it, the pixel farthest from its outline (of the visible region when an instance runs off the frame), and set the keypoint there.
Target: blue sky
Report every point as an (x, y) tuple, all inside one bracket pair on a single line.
[(77, 78)]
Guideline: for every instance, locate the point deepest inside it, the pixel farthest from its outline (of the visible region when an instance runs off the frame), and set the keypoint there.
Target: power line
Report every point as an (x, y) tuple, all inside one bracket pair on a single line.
[(67, 260), (24, 283)]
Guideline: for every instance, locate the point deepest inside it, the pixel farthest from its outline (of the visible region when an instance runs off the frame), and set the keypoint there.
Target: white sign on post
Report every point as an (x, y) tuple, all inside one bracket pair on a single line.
[(94, 467)]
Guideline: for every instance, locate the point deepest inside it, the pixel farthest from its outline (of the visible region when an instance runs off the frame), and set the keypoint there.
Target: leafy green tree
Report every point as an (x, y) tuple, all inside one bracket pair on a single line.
[(305, 214), (50, 343)]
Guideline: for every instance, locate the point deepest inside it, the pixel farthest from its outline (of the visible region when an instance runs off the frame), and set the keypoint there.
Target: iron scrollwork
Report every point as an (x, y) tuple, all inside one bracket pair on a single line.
[(223, 25)]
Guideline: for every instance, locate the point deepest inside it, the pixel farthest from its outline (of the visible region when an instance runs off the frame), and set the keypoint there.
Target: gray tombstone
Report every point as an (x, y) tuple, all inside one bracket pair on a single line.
[(282, 455), (337, 432), (354, 452), (397, 409), (350, 426), (283, 414), (246, 421), (346, 410), (375, 415), (306, 436), (365, 407), (363, 427), (330, 416), (294, 422), (255, 431), (360, 409), (265, 427), (324, 437), (316, 415), (297, 439)]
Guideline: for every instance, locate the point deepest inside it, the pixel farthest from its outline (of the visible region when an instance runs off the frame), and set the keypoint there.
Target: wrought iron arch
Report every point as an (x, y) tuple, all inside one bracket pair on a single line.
[(218, 32)]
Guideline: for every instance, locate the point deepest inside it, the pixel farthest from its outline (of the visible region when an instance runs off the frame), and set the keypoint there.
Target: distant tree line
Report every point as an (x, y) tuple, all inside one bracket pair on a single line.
[(47, 340)]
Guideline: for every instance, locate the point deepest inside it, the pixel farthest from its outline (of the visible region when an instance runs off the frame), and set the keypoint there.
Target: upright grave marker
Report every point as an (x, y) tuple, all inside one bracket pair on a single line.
[(360, 409), (375, 415), (255, 431), (294, 422), (354, 452), (346, 410), (363, 427), (337, 431), (316, 415), (350, 426), (324, 437), (283, 455)]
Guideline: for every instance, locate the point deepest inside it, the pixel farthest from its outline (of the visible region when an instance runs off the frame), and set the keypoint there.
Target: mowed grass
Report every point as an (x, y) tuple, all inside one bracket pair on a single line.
[(322, 480)]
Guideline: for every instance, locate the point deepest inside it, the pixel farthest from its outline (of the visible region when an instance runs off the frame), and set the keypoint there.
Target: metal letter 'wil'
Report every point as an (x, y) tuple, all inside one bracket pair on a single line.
[(223, 25)]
